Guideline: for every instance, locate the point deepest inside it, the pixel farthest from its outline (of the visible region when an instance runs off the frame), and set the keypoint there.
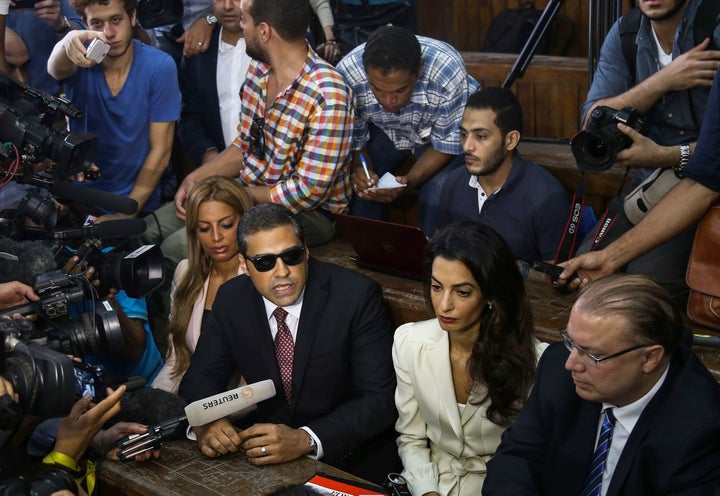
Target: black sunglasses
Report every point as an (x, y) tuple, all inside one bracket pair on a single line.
[(257, 137), (291, 256)]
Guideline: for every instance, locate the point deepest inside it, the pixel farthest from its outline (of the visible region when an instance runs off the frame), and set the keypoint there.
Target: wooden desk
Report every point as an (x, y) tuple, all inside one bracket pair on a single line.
[(183, 470)]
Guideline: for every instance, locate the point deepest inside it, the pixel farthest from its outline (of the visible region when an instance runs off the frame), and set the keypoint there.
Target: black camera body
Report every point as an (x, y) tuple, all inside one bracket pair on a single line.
[(596, 147)]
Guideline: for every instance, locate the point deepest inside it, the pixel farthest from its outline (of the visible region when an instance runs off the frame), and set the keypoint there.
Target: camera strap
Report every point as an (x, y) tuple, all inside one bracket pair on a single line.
[(614, 209), (568, 242)]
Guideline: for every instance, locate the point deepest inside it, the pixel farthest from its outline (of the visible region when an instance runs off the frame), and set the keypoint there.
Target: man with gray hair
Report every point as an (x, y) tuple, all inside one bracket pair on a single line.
[(620, 406)]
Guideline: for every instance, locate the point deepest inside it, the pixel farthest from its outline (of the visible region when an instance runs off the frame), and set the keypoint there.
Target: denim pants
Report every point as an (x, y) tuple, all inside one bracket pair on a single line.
[(386, 158)]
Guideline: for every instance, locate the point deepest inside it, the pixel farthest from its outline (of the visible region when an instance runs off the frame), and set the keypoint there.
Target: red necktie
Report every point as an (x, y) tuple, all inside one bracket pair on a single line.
[(284, 349)]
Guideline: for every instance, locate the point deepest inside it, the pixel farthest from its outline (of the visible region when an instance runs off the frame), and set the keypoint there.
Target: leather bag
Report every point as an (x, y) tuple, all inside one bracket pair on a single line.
[(703, 272)]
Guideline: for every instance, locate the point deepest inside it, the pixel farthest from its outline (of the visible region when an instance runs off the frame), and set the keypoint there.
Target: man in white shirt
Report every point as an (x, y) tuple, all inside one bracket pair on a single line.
[(619, 407), (209, 118)]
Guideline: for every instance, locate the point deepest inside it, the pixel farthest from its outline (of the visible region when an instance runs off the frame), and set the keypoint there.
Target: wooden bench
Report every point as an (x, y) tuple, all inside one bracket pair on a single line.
[(406, 301)]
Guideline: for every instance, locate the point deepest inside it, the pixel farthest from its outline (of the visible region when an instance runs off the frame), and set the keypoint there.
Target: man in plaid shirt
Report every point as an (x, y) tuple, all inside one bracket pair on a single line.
[(410, 92), (295, 124)]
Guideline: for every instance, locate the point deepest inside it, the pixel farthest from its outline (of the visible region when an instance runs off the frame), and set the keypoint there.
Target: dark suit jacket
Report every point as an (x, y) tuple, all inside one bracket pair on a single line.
[(343, 376), (199, 126), (673, 449)]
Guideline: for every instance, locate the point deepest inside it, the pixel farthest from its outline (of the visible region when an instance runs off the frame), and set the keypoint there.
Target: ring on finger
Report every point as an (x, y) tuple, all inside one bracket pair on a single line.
[(263, 450)]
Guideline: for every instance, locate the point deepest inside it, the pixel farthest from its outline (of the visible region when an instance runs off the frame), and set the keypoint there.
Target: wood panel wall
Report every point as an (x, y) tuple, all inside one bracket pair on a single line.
[(463, 23)]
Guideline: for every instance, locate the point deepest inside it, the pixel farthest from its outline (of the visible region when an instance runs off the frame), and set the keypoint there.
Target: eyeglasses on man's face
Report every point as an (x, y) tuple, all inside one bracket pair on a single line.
[(257, 137), (570, 345), (291, 256)]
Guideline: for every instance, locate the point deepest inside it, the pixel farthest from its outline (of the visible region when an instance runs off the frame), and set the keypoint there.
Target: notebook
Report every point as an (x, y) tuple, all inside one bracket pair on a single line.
[(384, 246)]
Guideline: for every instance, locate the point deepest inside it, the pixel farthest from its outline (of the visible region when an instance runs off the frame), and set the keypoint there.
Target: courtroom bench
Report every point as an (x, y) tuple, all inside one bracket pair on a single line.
[(406, 302)]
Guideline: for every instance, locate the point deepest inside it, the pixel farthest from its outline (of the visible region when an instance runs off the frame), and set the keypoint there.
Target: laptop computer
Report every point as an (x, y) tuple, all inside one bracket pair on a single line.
[(395, 249)]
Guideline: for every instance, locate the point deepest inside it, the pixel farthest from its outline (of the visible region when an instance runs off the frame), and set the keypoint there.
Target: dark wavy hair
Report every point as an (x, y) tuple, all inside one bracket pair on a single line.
[(503, 358)]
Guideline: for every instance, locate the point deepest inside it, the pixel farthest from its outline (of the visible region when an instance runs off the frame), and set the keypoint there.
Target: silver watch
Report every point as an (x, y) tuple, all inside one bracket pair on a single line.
[(313, 446), (684, 157), (211, 19)]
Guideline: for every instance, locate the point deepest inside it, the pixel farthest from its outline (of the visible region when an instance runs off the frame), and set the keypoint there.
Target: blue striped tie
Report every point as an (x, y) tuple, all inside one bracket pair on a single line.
[(593, 484)]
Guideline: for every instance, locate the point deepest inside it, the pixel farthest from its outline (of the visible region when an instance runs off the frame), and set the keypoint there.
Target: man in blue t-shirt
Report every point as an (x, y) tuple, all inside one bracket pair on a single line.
[(523, 202), (131, 101)]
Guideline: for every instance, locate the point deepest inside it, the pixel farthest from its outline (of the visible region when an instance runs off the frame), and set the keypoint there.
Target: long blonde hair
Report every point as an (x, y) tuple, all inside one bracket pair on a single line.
[(214, 188)]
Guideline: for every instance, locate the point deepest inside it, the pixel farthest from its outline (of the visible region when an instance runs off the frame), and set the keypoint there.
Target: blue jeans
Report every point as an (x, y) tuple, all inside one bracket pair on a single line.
[(386, 158)]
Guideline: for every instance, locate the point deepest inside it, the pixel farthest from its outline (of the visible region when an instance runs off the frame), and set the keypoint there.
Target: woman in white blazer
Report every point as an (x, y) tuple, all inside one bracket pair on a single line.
[(214, 207), (463, 376)]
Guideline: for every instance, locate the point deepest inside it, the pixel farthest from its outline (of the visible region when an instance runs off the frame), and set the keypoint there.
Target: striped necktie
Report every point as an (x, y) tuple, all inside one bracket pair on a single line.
[(593, 484)]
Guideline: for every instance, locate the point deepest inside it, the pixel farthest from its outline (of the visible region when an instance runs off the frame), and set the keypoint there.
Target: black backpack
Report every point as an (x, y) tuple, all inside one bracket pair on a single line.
[(706, 19), (510, 29)]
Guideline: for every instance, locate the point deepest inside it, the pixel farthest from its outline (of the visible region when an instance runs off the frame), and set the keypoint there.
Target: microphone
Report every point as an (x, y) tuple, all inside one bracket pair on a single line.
[(221, 405), (94, 197), (111, 229), (149, 406)]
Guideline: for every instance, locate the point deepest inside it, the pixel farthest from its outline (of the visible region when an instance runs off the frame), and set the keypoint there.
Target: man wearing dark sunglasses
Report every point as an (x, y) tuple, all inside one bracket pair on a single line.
[(321, 333), (620, 406)]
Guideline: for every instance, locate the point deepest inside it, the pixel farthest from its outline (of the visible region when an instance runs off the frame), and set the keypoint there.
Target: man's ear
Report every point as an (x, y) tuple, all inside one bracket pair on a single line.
[(421, 68), (512, 139), (652, 358), (243, 263), (133, 18)]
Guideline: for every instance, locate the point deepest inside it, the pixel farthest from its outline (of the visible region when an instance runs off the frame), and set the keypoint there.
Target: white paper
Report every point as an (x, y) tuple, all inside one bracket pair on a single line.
[(388, 181)]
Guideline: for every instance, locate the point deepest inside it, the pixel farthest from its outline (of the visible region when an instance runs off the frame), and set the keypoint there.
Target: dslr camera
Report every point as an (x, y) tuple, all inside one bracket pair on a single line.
[(596, 147)]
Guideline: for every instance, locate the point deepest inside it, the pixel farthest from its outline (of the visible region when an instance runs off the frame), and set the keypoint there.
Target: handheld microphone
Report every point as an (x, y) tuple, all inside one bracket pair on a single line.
[(111, 229), (94, 197), (221, 405)]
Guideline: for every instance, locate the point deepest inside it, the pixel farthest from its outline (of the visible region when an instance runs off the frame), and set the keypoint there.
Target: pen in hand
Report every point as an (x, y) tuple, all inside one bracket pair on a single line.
[(365, 168)]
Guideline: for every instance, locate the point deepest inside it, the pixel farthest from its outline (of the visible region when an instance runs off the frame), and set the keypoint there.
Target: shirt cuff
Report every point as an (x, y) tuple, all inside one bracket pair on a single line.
[(320, 452)]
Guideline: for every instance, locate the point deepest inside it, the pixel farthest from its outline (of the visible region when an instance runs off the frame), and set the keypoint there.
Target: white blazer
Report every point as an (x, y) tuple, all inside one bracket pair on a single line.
[(164, 380), (441, 450)]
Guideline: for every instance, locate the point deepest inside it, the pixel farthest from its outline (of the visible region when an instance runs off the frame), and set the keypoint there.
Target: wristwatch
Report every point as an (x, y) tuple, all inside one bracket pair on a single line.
[(313, 446), (679, 169), (211, 19), (65, 27)]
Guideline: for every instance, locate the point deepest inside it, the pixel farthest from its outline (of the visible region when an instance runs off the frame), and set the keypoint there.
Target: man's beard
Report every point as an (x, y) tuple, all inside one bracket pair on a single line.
[(255, 53), (679, 5), (492, 164)]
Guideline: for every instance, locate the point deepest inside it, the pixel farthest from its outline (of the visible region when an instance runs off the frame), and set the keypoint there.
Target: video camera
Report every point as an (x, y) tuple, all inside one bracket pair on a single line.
[(34, 355), (596, 147)]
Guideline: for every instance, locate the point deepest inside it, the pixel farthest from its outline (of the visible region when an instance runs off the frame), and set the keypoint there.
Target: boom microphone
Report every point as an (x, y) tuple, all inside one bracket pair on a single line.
[(111, 229), (221, 405), (94, 197)]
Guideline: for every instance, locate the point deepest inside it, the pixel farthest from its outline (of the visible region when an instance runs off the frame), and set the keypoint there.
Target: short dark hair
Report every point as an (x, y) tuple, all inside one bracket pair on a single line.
[(264, 217), (652, 315), (503, 358), (392, 48), (505, 105), (290, 18), (80, 5)]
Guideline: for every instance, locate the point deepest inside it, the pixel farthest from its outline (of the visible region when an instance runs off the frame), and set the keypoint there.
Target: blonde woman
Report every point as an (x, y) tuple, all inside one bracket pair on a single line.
[(213, 210)]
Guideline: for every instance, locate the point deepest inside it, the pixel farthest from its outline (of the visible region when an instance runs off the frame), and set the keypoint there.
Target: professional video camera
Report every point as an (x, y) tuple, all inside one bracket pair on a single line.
[(39, 479), (596, 147), (35, 153), (34, 355)]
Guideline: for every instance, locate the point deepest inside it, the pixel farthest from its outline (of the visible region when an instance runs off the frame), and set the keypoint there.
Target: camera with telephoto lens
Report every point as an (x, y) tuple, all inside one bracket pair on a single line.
[(396, 485), (137, 272), (596, 147)]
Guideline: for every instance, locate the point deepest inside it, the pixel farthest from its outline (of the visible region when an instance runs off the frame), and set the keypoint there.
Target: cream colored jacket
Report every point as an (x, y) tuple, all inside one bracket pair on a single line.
[(440, 449)]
